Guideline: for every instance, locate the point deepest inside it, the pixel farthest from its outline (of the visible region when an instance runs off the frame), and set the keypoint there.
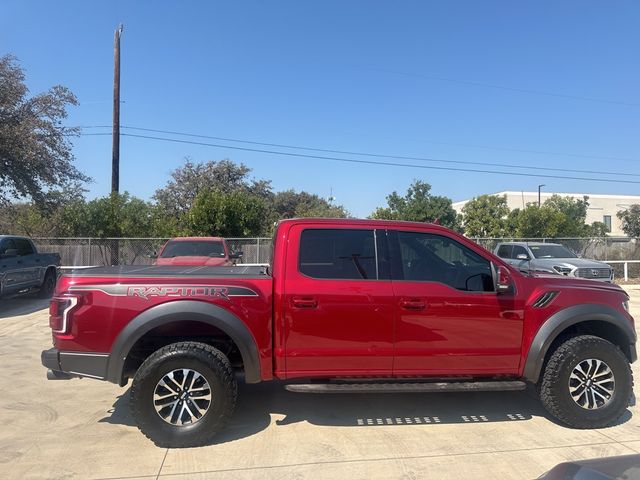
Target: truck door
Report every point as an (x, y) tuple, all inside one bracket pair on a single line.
[(9, 272), (338, 303), (450, 321), (29, 263)]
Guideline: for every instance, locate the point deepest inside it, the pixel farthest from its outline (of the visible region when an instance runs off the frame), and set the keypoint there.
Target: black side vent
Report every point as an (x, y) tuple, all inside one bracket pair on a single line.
[(544, 299)]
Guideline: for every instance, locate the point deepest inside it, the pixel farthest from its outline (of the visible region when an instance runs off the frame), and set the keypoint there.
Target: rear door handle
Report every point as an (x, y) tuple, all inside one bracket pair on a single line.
[(304, 302), (413, 304)]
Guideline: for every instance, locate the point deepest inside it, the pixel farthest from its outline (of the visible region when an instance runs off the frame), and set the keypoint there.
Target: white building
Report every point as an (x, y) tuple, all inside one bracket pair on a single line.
[(602, 208)]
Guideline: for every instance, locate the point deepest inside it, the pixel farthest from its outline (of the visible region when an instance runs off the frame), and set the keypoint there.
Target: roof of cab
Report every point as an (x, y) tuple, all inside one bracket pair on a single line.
[(361, 222), (199, 239)]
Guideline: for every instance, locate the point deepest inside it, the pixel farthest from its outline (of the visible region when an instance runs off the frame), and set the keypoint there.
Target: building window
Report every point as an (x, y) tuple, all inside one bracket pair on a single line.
[(606, 219)]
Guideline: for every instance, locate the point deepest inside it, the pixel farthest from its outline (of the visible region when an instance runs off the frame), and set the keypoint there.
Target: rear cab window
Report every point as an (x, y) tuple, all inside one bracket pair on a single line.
[(24, 247), (343, 254)]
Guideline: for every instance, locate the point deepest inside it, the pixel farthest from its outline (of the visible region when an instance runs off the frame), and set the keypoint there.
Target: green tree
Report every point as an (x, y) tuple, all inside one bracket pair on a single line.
[(418, 205), (597, 229), (187, 181), (292, 204), (574, 212), (228, 214), (35, 151), (631, 220), (113, 216), (485, 216), (534, 222)]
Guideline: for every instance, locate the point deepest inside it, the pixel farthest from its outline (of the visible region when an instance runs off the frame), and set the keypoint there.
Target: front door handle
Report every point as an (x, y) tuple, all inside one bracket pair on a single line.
[(413, 304), (304, 302)]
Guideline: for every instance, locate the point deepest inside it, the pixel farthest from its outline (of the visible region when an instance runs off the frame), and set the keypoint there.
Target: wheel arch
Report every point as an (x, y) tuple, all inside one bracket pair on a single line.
[(190, 310), (599, 320)]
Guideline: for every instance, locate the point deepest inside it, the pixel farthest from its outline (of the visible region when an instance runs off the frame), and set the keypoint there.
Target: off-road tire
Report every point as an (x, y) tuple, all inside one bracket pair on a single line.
[(554, 384), (48, 284), (213, 365)]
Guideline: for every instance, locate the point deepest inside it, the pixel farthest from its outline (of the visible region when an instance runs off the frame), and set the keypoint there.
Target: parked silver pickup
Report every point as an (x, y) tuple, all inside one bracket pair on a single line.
[(552, 258), (23, 269)]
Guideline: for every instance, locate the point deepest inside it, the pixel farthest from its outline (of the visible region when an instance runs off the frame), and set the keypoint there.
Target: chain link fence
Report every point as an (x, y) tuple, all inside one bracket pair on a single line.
[(140, 251), (136, 251)]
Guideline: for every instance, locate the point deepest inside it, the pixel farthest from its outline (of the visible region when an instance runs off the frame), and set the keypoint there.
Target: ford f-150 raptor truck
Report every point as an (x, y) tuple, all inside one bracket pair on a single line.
[(345, 306)]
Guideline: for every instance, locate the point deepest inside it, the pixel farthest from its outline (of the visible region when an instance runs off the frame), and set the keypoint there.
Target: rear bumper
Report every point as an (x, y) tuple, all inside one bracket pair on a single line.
[(75, 364)]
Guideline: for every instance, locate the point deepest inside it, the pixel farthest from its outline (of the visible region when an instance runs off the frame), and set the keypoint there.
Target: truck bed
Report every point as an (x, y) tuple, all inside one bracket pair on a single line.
[(171, 271)]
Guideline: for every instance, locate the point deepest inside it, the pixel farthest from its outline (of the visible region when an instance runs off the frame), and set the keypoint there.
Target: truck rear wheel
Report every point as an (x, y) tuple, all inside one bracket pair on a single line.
[(183, 394), (48, 284), (587, 383)]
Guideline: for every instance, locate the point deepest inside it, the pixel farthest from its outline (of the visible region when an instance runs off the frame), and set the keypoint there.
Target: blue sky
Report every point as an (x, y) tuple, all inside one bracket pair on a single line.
[(398, 78)]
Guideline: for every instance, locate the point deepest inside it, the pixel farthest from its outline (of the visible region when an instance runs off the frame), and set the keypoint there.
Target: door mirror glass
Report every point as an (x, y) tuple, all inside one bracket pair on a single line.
[(504, 282), (10, 252), (522, 256)]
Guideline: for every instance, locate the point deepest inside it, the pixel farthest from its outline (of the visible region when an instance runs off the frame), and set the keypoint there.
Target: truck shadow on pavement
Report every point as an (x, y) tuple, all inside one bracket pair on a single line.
[(261, 405), (11, 307)]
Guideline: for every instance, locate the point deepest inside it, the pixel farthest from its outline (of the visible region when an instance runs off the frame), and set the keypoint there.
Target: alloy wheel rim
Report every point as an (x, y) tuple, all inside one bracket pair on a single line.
[(182, 397), (592, 384)]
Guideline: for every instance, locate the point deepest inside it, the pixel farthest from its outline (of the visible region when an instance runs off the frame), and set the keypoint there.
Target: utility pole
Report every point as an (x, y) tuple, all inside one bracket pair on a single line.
[(539, 187), (115, 150)]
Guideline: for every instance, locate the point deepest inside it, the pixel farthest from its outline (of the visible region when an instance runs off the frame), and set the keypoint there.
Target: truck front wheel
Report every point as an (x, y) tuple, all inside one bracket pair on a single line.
[(183, 394), (587, 383)]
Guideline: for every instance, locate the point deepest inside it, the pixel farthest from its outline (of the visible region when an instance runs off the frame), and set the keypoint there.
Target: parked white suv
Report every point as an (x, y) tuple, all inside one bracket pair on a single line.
[(552, 258)]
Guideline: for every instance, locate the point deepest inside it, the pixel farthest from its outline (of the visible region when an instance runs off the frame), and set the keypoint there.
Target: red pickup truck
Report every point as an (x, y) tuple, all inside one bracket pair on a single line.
[(352, 306), (210, 251)]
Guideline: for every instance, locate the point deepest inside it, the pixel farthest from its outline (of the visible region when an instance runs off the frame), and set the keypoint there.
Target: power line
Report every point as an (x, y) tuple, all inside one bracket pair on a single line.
[(455, 144), (375, 155), (512, 89), (371, 162), (396, 157)]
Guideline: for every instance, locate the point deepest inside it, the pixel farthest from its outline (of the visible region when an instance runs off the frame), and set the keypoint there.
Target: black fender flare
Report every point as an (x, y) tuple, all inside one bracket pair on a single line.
[(566, 317), (185, 310)]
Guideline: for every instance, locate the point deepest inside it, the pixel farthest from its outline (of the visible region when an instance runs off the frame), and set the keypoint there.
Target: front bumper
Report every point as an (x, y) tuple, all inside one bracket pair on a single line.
[(75, 364)]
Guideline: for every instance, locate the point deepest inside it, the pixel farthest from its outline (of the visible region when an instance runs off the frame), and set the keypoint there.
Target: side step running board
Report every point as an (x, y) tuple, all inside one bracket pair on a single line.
[(488, 386)]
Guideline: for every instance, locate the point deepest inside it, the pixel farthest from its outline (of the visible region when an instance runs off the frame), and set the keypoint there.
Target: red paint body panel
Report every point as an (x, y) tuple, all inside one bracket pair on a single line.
[(349, 331), (307, 327)]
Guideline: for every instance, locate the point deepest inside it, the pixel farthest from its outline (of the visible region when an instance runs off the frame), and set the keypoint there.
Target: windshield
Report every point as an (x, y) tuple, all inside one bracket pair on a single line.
[(551, 251), (193, 249)]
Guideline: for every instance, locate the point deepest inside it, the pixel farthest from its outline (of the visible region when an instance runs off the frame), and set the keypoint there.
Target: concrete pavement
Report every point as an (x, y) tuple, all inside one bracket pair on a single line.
[(82, 428)]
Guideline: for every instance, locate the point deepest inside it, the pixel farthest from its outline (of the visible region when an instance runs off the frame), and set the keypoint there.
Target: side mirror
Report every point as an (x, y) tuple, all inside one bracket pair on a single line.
[(504, 282), (10, 252), (236, 255), (522, 256)]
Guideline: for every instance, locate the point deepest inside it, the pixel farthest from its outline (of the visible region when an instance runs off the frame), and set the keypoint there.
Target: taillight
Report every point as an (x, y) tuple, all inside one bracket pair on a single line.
[(60, 312)]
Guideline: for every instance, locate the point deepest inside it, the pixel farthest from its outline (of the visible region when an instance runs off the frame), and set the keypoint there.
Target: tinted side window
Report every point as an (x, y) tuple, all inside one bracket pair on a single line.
[(24, 246), (436, 258), (519, 250), (338, 253), (504, 251), (7, 244)]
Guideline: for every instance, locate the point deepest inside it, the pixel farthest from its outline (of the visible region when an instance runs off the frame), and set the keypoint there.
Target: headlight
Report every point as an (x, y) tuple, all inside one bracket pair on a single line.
[(562, 270), (625, 305)]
